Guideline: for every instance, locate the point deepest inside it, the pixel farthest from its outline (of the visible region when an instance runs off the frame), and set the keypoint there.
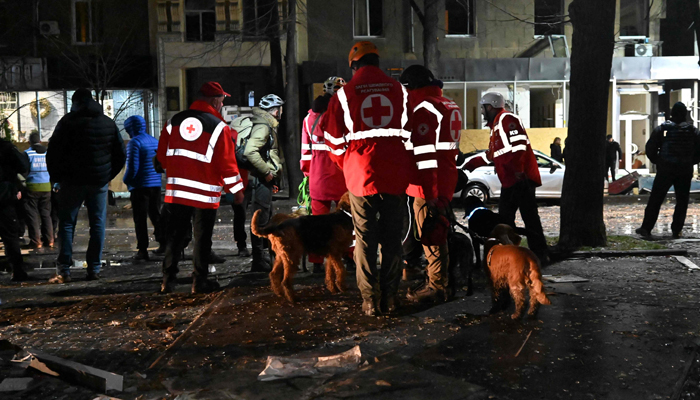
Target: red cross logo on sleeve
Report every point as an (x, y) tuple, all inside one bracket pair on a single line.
[(455, 125), (377, 111)]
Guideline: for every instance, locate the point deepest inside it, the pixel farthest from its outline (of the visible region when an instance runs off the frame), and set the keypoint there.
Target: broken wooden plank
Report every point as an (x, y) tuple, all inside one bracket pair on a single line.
[(94, 378), (628, 253), (683, 260)]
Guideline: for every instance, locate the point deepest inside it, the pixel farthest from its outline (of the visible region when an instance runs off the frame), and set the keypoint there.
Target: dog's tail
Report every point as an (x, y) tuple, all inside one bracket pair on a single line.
[(261, 231), (537, 288)]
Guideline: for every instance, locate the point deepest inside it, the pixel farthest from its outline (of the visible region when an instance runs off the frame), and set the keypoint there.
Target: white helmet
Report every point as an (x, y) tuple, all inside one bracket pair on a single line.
[(493, 99), (333, 84), (270, 100)]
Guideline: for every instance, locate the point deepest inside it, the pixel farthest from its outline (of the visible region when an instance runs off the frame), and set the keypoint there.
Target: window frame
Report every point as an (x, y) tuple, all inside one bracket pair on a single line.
[(561, 23), (463, 35), (74, 30), (199, 13), (634, 37), (354, 34)]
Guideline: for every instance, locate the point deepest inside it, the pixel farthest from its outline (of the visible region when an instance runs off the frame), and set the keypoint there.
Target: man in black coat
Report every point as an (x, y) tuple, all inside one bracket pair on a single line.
[(86, 151), (12, 162), (674, 147), (613, 155)]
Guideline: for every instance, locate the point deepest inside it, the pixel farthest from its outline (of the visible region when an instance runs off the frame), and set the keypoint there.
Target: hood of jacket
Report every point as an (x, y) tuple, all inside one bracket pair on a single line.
[(135, 125), (266, 117), (321, 103)]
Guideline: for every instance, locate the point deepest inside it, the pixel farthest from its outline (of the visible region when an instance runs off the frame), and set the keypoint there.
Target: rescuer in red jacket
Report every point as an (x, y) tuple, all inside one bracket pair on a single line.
[(437, 124), (326, 180), (366, 127), (197, 152), (516, 167)]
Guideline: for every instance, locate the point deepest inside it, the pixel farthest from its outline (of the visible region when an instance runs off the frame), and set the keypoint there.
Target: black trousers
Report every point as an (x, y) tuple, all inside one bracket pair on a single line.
[(37, 206), (261, 195), (9, 235), (145, 202), (522, 196), (181, 222), (612, 167), (239, 217), (54, 213), (412, 249), (678, 176)]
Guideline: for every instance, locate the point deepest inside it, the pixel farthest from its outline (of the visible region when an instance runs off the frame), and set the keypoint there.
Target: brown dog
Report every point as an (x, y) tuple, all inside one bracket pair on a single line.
[(509, 266), (327, 235)]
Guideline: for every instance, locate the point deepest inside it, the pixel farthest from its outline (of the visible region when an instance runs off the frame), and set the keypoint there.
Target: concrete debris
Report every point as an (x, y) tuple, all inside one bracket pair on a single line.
[(683, 260), (316, 367), (15, 384), (563, 278)]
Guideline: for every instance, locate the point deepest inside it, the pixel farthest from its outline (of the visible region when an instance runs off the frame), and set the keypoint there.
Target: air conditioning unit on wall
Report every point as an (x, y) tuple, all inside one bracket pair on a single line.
[(643, 50), (49, 28)]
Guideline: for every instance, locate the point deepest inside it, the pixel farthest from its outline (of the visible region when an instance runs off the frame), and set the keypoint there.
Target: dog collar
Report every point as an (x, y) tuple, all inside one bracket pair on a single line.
[(488, 256), (475, 210)]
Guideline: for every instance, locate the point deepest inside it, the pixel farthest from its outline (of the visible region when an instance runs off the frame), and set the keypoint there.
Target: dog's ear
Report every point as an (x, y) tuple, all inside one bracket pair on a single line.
[(514, 238), (344, 203)]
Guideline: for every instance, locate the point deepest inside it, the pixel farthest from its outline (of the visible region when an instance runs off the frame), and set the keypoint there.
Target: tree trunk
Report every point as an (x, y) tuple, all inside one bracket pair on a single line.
[(582, 221), (431, 53), (292, 146), (273, 34)]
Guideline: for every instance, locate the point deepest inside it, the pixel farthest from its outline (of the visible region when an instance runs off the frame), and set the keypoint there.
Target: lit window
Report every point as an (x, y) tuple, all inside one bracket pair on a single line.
[(549, 16), (459, 17), (634, 18), (368, 18), (87, 21), (200, 20)]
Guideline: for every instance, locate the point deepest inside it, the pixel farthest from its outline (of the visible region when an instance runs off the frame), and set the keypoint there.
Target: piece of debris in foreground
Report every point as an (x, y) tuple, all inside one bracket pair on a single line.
[(683, 260), (316, 367), (563, 278)]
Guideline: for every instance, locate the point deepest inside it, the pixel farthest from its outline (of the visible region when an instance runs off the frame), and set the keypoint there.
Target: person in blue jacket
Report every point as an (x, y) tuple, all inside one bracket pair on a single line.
[(143, 182)]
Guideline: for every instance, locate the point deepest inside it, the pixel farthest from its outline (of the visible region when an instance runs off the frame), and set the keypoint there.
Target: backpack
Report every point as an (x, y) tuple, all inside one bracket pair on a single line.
[(244, 126)]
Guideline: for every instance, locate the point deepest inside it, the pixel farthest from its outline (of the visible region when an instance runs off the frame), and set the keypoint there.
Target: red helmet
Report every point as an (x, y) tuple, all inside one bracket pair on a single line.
[(361, 49)]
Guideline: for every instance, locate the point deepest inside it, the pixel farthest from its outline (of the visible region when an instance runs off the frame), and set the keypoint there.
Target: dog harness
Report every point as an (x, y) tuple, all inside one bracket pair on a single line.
[(475, 210)]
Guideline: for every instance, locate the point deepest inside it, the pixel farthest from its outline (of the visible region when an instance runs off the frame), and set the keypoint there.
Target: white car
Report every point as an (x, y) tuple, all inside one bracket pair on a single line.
[(484, 183)]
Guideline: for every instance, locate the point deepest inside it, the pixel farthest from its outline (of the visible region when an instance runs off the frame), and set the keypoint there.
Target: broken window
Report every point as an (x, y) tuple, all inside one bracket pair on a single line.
[(549, 17), (200, 20), (368, 18), (634, 18), (257, 17), (459, 17), (87, 21)]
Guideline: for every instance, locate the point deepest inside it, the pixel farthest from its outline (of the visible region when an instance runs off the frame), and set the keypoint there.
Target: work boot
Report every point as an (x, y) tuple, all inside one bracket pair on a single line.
[(369, 308), (643, 232), (168, 284), (677, 235), (261, 263), (203, 285), (389, 304), (317, 268), (92, 276), (426, 294), (215, 259), (243, 250), (142, 255), (160, 250), (19, 275)]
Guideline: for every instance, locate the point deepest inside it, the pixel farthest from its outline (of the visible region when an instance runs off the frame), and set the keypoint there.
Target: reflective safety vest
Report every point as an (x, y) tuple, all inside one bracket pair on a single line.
[(197, 152), (326, 181), (437, 124), (510, 151), (366, 125)]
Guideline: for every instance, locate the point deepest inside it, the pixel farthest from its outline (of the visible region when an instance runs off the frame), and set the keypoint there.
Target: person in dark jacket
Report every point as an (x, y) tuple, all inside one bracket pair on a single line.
[(613, 155), (12, 162), (37, 204), (85, 152), (674, 147), (143, 182), (555, 149)]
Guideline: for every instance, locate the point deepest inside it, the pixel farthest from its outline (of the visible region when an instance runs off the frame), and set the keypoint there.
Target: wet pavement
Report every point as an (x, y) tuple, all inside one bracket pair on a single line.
[(628, 330)]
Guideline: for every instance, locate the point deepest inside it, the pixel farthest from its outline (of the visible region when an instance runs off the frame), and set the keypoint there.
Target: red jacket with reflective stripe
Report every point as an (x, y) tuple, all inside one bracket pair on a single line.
[(326, 180), (510, 151), (197, 152), (365, 127), (437, 125)]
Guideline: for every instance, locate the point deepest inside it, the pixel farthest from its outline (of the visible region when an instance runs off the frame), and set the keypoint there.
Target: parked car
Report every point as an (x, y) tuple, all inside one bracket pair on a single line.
[(484, 183)]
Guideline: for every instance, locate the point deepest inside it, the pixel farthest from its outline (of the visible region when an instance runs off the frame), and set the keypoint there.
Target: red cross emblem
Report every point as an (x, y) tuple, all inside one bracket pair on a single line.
[(377, 111), (423, 129), (455, 125), (190, 129)]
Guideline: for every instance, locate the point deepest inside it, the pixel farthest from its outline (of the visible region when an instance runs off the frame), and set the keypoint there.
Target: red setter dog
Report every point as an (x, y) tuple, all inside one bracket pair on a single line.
[(290, 237), (509, 266)]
